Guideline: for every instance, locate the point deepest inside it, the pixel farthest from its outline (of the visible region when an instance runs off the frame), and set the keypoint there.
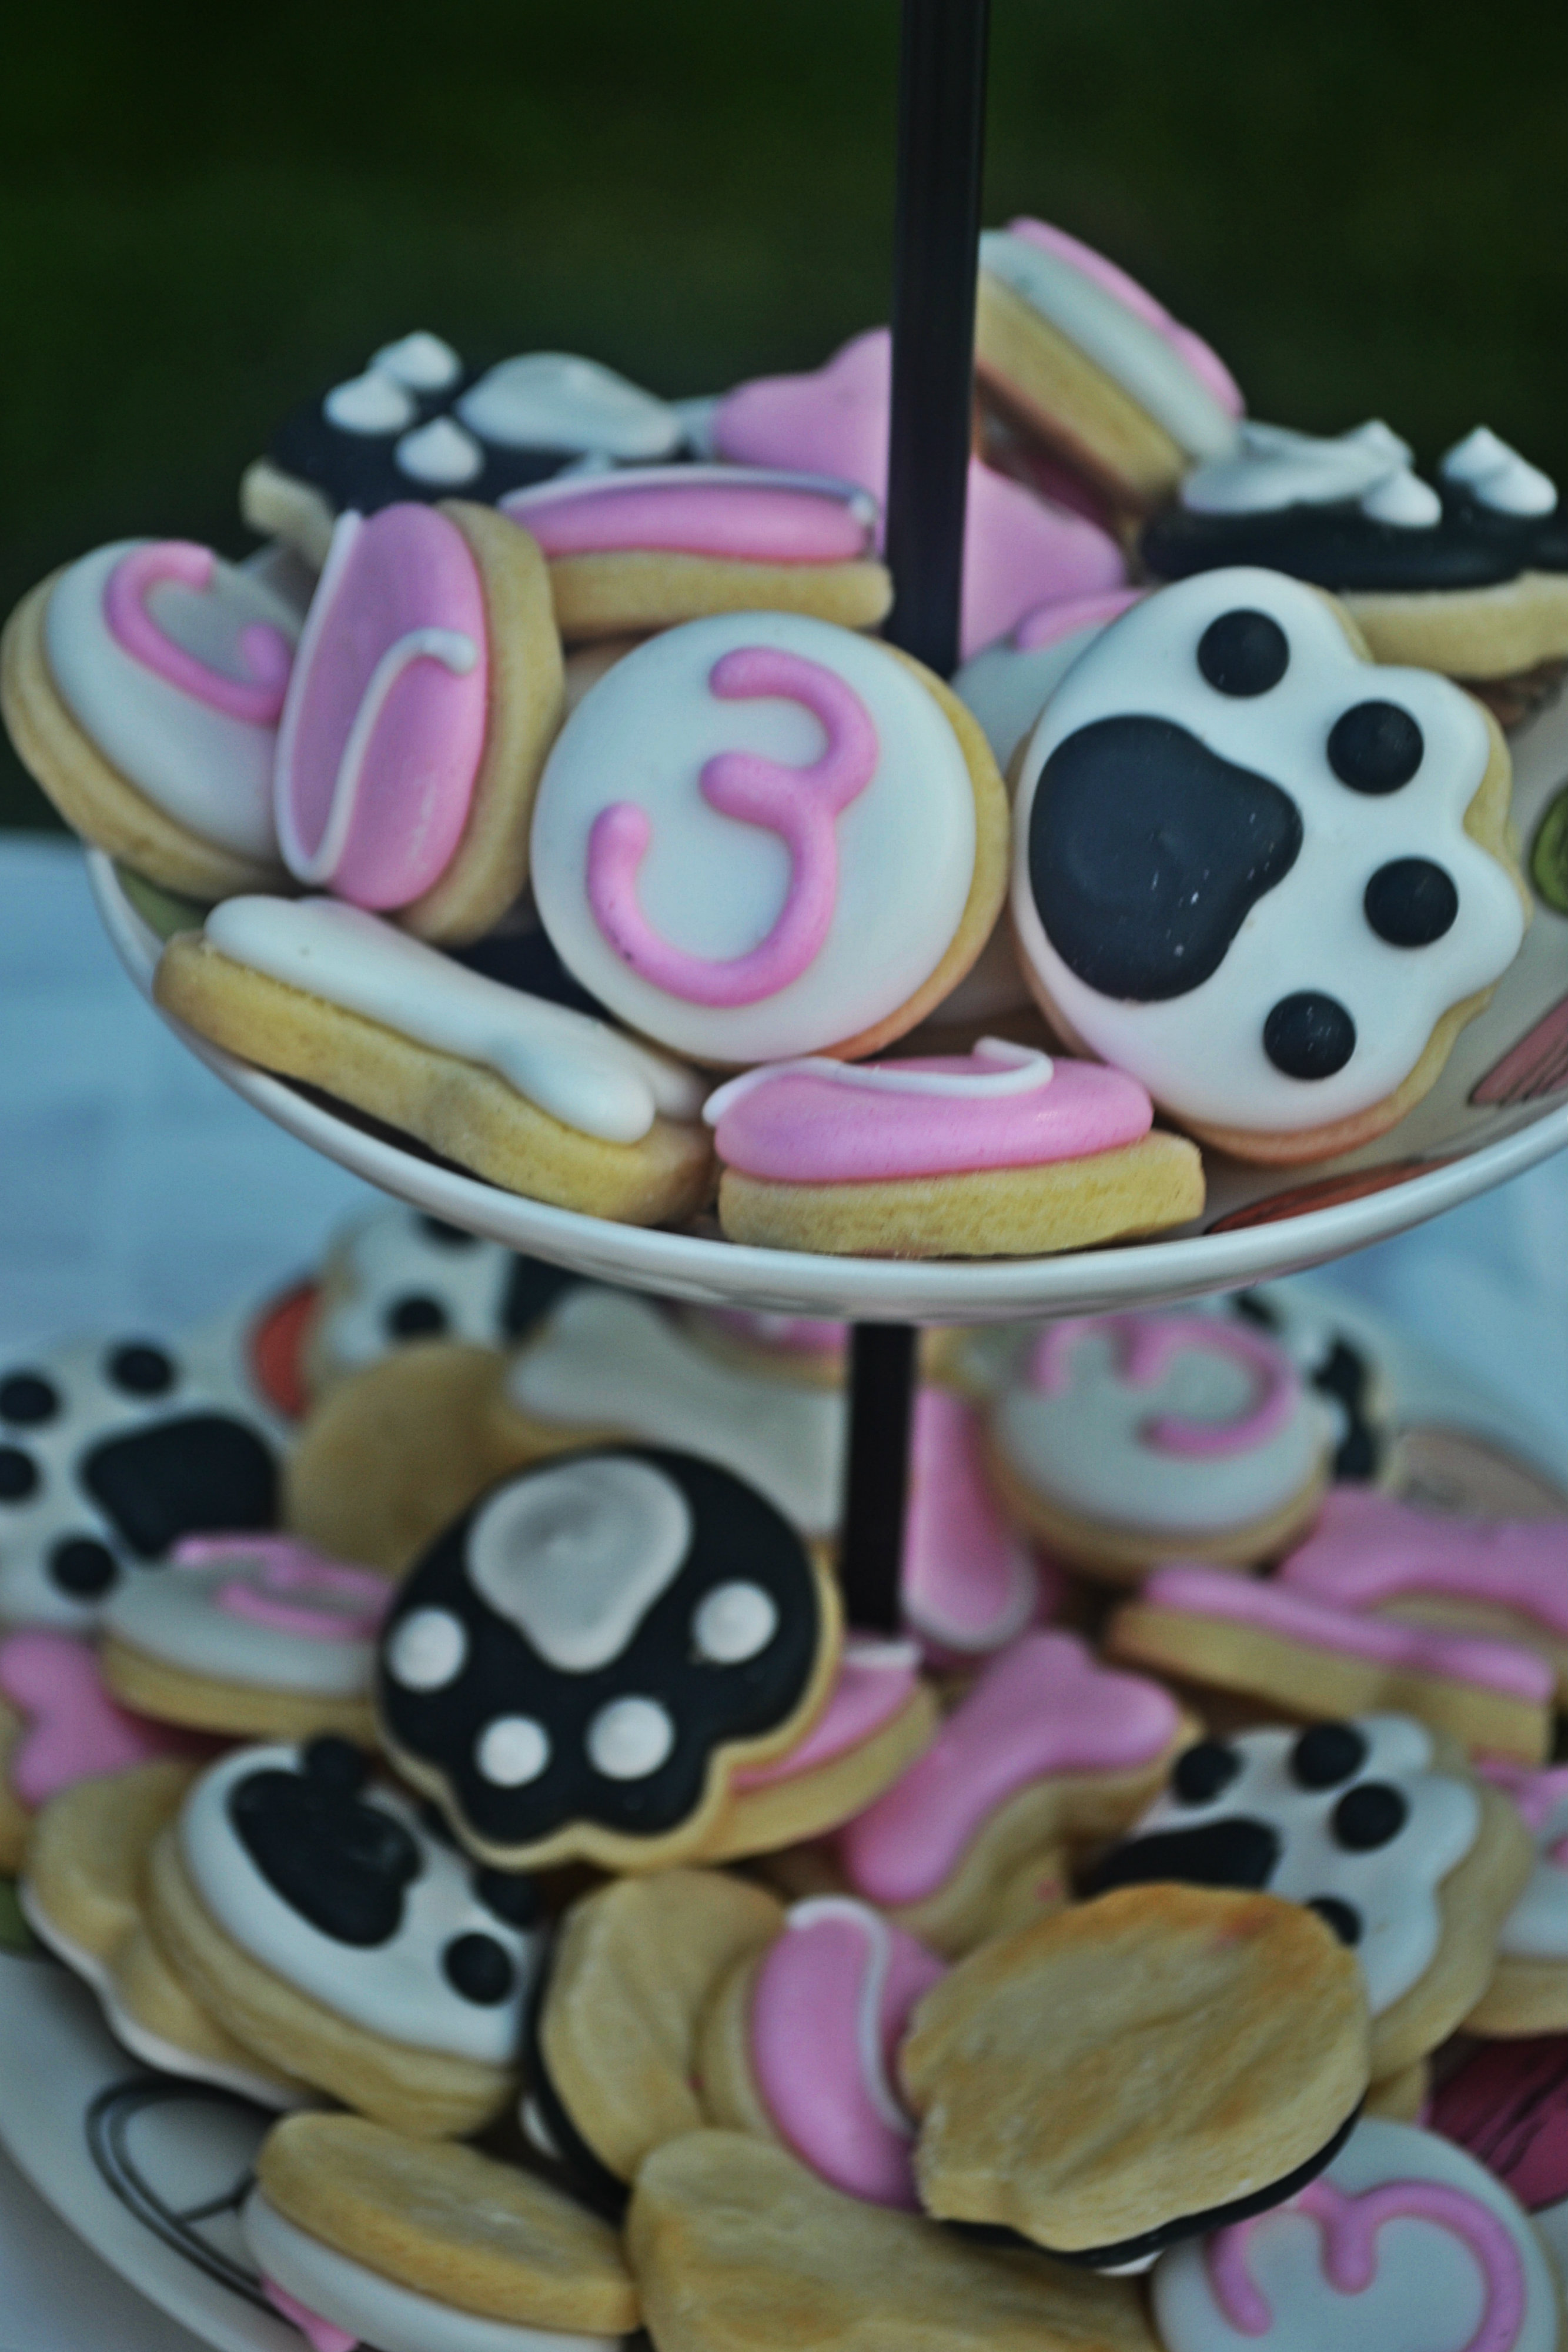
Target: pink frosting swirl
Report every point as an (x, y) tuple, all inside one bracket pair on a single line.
[(729, 512)]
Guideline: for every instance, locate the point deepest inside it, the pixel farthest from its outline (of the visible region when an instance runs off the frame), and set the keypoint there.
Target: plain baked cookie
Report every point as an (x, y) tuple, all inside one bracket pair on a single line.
[(535, 1097), (1269, 879)]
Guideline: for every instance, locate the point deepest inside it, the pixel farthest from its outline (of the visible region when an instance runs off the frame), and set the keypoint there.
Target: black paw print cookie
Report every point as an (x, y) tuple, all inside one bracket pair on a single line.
[(111, 1449), (1371, 1823), (575, 1669), (419, 424), (310, 1909), (1264, 876)]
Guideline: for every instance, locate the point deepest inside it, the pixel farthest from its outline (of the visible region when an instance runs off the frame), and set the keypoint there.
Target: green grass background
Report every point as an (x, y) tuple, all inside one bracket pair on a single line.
[(205, 213)]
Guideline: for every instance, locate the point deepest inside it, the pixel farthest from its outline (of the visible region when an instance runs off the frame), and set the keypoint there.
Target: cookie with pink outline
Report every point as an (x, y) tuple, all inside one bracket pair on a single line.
[(1403, 2240)]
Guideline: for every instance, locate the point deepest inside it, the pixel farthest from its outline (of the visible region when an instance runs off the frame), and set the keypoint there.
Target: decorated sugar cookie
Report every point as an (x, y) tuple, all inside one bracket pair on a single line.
[(143, 686), (1529, 1991), (313, 1913), (1081, 355), (1374, 1553), (1264, 1642), (578, 1667), (1123, 1440), (648, 546), (1047, 1749), (537, 1098), (1268, 879), (760, 835), (1372, 1824), (424, 697), (1020, 551), (799, 2044), (248, 1636), (1404, 2240), (969, 1583), (111, 1449), (419, 424), (1343, 1366), (59, 1724), (1006, 1151)]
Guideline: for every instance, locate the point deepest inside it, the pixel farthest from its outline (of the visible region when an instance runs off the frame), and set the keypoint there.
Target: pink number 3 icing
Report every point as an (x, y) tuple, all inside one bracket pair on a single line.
[(800, 804), (1146, 1345), (289, 1589), (180, 563)]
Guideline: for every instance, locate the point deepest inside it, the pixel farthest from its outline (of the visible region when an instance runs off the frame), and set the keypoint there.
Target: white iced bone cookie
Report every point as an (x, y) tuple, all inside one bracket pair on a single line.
[(1242, 869), (761, 835), (1405, 2244)]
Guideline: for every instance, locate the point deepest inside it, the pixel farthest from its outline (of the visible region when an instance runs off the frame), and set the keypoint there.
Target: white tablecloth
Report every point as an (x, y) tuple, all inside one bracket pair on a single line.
[(138, 1195)]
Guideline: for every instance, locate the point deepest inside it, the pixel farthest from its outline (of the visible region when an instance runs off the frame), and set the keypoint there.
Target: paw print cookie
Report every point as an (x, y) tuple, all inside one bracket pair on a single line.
[(1414, 1865), (577, 1668), (111, 1449), (143, 686), (1123, 1440), (316, 1916), (426, 693), (760, 836), (1264, 876), (1404, 2240)]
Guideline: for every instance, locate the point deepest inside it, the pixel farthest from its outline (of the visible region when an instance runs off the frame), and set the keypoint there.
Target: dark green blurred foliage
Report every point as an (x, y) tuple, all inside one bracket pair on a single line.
[(205, 213)]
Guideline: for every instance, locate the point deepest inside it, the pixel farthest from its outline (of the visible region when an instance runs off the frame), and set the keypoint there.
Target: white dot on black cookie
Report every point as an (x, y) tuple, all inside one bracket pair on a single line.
[(1375, 746), (512, 1750), (630, 1738), (1243, 652), (734, 1622), (1411, 901), (427, 1650)]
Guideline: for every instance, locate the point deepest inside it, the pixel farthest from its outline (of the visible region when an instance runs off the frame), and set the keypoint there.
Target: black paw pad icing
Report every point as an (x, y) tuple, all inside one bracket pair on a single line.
[(398, 1275), (1354, 1820), (1242, 871), (572, 1667)]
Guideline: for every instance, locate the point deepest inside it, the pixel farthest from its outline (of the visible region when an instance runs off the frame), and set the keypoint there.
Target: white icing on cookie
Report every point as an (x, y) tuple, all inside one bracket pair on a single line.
[(553, 400), (608, 1359), (1115, 337), (576, 1557), (209, 770), (1007, 687), (391, 1257), (376, 2310), (440, 454), (1275, 466), (580, 1070), (780, 948), (1497, 476), (398, 1988), (420, 360), (1202, 1052), (259, 1611)]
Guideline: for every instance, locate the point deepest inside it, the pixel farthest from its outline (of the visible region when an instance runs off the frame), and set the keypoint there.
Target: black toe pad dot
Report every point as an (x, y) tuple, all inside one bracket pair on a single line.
[(18, 1475), (1309, 1035), (1410, 902), (1243, 652), (1327, 1755), (141, 1371), (479, 1970), (1342, 1917), (416, 1317), (1203, 1771), (1370, 1816), (1375, 746), (82, 1567), (28, 1398)]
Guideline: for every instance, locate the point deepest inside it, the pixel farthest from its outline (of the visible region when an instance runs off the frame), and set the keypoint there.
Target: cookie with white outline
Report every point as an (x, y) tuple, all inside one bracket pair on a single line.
[(421, 2246), (329, 1928), (578, 1667), (1268, 879)]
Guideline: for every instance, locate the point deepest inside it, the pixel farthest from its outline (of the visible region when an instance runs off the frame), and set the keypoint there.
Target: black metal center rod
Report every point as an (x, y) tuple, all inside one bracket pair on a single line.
[(941, 153)]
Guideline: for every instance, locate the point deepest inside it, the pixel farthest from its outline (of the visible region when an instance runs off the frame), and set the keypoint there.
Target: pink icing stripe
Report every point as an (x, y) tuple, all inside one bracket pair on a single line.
[(353, 1600), (1146, 1347), (875, 1680), (733, 519), (830, 2005), (321, 2334), (1041, 1707), (1417, 1649), (794, 1335), (266, 650), (1368, 1548), (75, 1730), (1349, 2227), (1205, 362), (800, 804), (1065, 616), (969, 1582), (810, 1123), (384, 724)]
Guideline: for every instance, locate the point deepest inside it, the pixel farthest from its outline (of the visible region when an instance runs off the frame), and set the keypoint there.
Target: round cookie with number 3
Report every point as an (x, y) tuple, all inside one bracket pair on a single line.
[(761, 835)]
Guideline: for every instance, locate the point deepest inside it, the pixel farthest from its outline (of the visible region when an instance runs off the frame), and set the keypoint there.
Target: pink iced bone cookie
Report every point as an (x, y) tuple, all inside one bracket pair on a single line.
[(143, 686), (800, 2044), (1529, 1991), (1405, 2244), (59, 1724), (1007, 685), (1370, 1552), (970, 1584), (249, 1635), (426, 690), (1297, 1656), (651, 545), (1123, 1440), (1018, 549), (1001, 1152), (760, 835), (1079, 354), (879, 1718), (1047, 1749)]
